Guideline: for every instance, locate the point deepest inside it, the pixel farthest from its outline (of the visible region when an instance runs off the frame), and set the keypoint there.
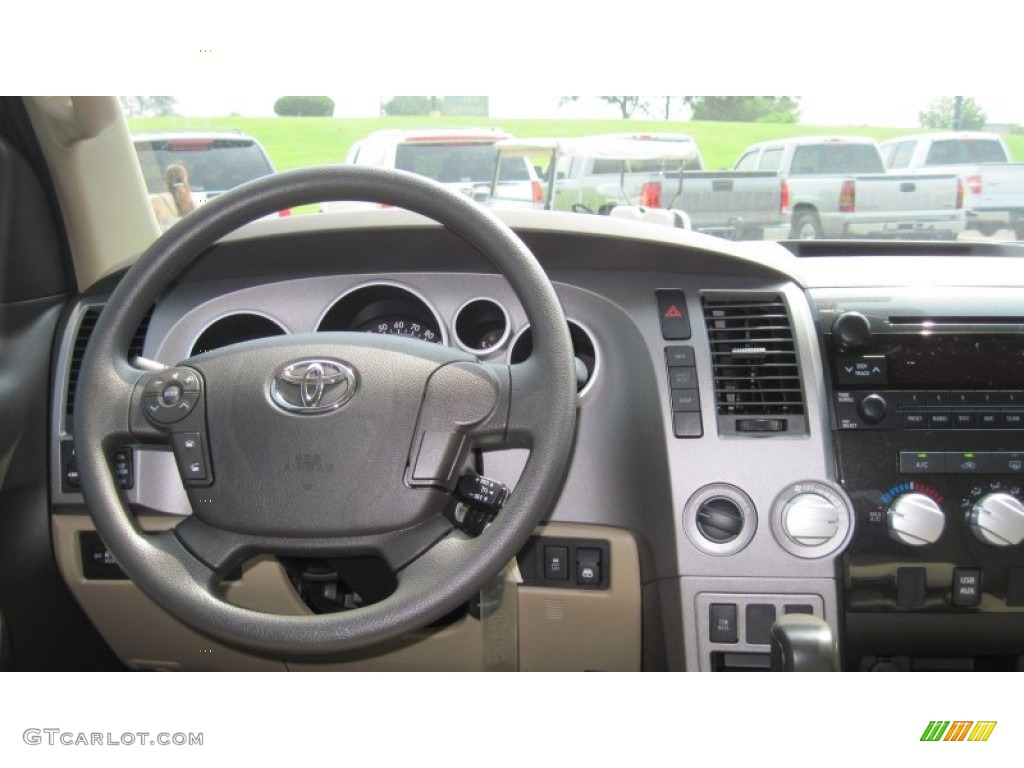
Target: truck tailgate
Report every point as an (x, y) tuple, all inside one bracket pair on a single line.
[(717, 198), (894, 193)]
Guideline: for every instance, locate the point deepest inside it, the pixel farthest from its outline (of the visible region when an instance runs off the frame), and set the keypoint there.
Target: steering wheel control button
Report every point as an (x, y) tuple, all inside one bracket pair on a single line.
[(556, 563), (722, 620), (171, 395), (190, 453), (159, 412), (675, 320), (966, 587)]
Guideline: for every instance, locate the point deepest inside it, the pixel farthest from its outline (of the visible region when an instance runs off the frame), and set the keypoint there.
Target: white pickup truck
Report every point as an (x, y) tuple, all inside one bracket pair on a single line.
[(596, 174), (837, 187), (993, 186)]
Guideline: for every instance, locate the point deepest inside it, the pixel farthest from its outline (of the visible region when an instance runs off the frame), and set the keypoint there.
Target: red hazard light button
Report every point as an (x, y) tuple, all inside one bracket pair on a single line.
[(675, 321)]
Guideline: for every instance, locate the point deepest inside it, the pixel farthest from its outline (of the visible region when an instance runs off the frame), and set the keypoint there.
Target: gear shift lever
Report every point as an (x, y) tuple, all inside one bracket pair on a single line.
[(803, 643)]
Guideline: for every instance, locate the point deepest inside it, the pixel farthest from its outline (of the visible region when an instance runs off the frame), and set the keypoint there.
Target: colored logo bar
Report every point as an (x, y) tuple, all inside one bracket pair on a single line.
[(958, 730)]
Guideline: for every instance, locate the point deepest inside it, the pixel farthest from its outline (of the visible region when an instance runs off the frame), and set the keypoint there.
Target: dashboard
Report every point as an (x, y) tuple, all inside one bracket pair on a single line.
[(763, 429)]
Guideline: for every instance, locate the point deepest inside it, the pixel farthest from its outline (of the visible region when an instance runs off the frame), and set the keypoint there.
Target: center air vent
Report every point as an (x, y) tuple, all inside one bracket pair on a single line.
[(754, 362)]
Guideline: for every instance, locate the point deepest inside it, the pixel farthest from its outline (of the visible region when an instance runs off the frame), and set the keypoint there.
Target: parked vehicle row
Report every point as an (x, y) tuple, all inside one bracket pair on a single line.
[(838, 187), (923, 186), (993, 186)]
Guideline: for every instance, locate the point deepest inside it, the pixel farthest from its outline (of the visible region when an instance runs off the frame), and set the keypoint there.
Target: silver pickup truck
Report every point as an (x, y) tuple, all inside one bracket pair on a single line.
[(596, 174), (837, 187), (993, 186)]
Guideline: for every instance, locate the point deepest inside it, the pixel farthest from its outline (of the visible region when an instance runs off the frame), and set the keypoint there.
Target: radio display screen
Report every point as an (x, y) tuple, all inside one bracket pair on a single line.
[(957, 360)]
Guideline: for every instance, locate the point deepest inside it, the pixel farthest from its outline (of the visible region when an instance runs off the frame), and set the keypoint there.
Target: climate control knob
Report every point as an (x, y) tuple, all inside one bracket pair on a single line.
[(998, 519), (915, 519)]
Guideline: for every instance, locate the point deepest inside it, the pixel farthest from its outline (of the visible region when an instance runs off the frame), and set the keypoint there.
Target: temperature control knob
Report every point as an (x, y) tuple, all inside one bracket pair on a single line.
[(915, 519), (998, 519)]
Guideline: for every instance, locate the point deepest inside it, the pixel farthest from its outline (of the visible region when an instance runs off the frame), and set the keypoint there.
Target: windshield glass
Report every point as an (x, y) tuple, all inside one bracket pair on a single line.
[(738, 167)]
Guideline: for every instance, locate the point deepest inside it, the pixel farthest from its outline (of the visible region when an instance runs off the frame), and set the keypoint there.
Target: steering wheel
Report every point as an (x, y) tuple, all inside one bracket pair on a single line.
[(326, 444)]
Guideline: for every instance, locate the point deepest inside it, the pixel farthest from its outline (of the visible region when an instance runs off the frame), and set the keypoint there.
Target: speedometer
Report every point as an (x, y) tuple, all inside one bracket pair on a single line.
[(398, 325)]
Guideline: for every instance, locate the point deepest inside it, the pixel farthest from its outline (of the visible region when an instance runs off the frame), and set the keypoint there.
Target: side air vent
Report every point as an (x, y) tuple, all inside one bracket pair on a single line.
[(85, 328), (755, 367)]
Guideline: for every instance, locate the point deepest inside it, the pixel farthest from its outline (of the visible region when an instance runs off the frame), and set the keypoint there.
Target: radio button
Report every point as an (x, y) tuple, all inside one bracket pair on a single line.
[(915, 420), (961, 398), (861, 369), (1013, 419), (938, 398), (989, 420), (1012, 397), (939, 420), (986, 397), (915, 399), (965, 420)]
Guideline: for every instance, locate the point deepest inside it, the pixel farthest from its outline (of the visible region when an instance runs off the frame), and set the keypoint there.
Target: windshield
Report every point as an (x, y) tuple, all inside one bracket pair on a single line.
[(737, 167)]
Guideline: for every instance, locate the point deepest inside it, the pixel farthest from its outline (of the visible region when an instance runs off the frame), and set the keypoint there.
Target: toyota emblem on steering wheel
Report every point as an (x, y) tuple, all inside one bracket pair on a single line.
[(309, 387)]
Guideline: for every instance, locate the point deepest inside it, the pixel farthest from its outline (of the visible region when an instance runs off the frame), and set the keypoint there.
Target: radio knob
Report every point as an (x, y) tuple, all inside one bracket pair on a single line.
[(851, 330), (915, 519), (872, 409), (998, 519)]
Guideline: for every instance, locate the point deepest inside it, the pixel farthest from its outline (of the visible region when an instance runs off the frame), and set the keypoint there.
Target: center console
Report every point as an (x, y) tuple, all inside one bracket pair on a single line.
[(927, 406)]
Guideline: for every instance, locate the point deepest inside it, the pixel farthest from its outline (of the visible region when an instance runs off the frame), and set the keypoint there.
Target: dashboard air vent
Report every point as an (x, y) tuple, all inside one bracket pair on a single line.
[(85, 328), (755, 367)]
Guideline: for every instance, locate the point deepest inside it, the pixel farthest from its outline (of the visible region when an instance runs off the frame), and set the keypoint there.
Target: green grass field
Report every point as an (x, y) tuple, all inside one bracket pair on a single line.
[(294, 142)]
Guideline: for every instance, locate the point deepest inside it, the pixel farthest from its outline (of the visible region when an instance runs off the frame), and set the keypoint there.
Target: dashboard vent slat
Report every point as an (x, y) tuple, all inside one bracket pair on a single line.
[(85, 328), (754, 361)]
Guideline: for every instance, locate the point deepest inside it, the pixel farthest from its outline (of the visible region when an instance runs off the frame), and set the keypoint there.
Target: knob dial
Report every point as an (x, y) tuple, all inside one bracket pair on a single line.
[(720, 519), (998, 519), (916, 520), (872, 409), (810, 519), (851, 330)]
